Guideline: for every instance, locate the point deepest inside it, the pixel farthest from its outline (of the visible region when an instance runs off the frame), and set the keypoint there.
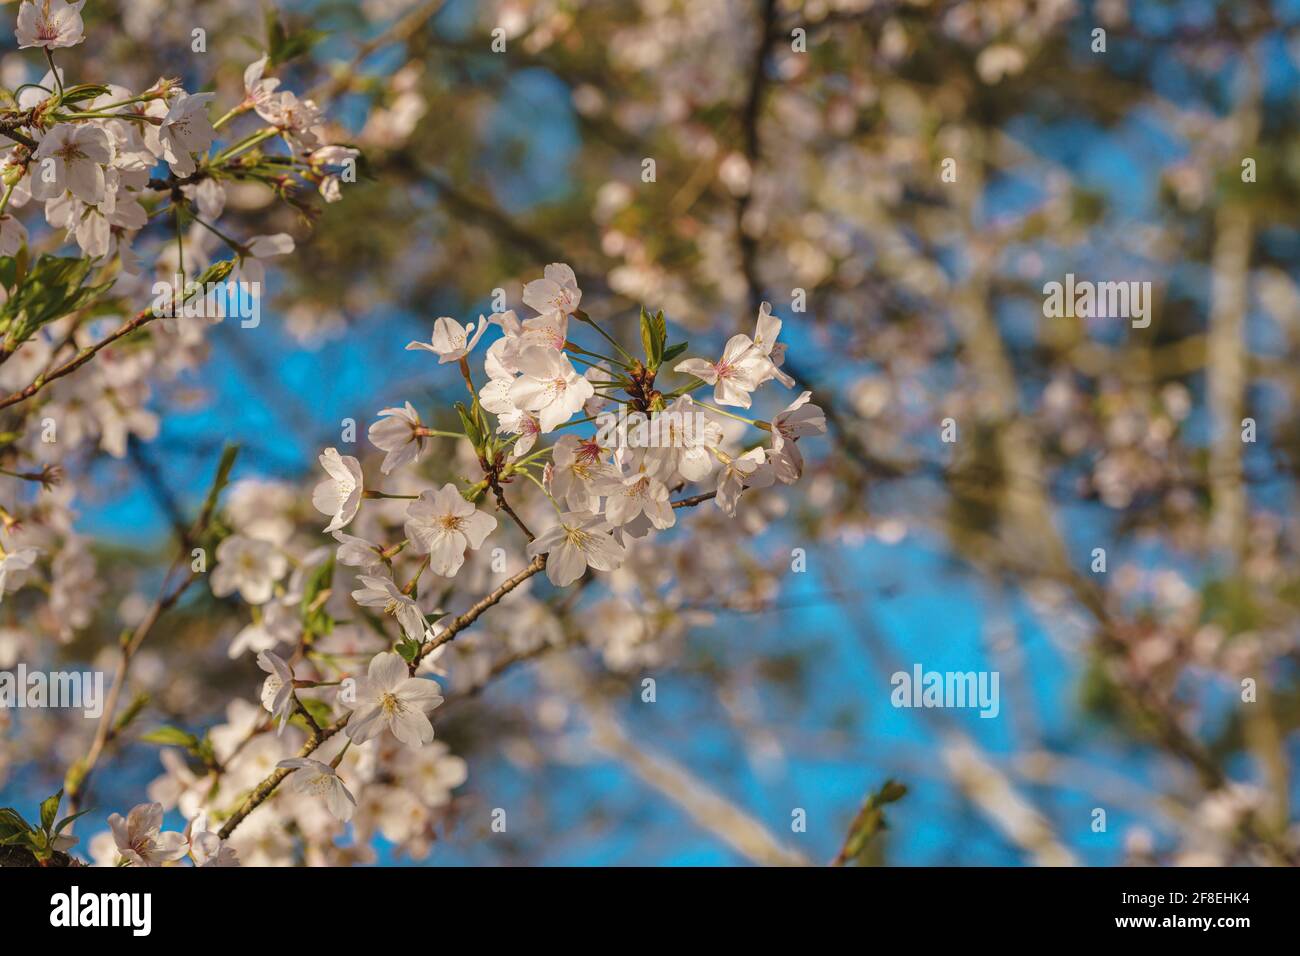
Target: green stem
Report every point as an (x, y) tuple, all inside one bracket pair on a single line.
[(720, 411), (533, 478), (247, 143), (584, 317), (230, 114), (54, 70)]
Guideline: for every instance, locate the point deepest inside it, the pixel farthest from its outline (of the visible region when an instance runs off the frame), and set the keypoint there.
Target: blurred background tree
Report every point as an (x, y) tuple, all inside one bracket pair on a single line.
[(900, 180)]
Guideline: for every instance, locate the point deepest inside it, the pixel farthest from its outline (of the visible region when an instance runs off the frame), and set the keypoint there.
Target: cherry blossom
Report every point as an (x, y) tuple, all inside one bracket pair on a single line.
[(577, 541), (795, 421), (72, 157), (635, 494), (316, 779), (381, 592), (357, 552), (578, 464), (339, 496), (398, 433), (443, 525), (139, 840), (750, 470), (557, 291), (549, 386), (735, 375), (278, 688), (207, 848), (451, 341), (766, 330), (184, 130), (388, 698), (50, 24), (248, 566)]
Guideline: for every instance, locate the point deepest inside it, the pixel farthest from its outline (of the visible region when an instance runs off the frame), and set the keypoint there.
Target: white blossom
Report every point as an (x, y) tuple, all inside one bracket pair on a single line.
[(316, 779), (389, 698), (397, 432), (443, 525), (248, 566), (139, 840), (734, 375), (383, 593), (72, 157), (789, 425), (451, 341), (50, 24), (339, 496), (750, 470), (549, 386), (277, 689), (557, 291), (578, 541)]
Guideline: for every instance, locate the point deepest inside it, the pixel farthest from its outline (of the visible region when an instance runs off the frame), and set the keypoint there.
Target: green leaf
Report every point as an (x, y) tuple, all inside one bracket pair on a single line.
[(870, 820), (319, 710), (673, 351), (66, 821), (11, 822), (85, 91), (654, 333), (283, 46), (171, 737), (50, 809), (221, 478), (52, 289), (315, 619), (471, 427), (132, 711)]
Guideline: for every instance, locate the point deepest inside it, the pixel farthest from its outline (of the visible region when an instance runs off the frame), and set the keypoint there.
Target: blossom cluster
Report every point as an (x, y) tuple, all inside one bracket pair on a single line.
[(606, 493), (137, 183)]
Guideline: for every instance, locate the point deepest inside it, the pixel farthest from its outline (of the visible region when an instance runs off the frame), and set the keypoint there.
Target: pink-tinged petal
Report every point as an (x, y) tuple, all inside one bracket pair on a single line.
[(121, 833), (529, 393), (540, 362), (699, 368), (736, 349), (726, 392)]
